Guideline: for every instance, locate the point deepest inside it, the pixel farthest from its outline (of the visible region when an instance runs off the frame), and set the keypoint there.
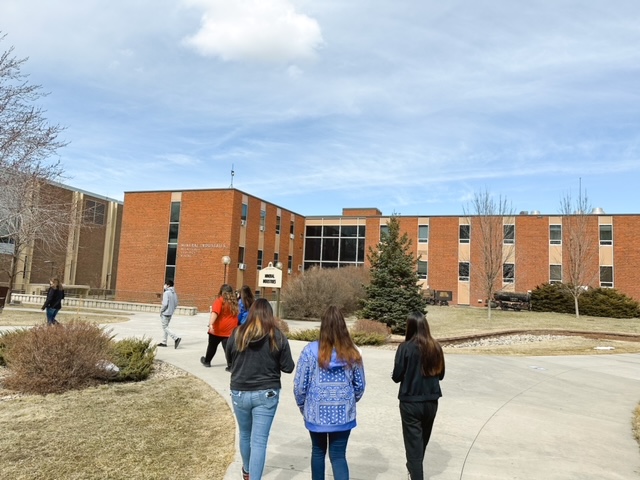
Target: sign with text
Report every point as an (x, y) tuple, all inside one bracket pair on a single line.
[(270, 277)]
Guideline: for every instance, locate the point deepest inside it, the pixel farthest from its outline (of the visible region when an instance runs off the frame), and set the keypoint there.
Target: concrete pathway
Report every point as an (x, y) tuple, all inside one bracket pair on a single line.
[(500, 417)]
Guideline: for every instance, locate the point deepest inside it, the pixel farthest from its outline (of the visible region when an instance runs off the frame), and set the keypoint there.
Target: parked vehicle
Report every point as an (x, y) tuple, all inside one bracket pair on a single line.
[(439, 297), (512, 301)]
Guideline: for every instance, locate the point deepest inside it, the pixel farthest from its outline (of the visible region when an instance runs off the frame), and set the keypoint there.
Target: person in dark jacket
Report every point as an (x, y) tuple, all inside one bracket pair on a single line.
[(418, 367), (257, 352), (53, 303)]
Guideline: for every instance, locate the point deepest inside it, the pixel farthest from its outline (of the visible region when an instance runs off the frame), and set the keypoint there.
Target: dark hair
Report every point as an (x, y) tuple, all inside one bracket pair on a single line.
[(334, 334), (229, 298), (260, 323), (432, 356), (56, 283), (246, 294), (169, 283)]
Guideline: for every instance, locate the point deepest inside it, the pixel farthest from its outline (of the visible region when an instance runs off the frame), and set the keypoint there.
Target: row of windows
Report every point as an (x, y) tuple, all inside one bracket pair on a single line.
[(259, 263), (464, 236), (263, 220)]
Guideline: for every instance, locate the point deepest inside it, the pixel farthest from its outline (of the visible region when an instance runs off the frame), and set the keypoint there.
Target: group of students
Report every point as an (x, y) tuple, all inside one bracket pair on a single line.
[(329, 381)]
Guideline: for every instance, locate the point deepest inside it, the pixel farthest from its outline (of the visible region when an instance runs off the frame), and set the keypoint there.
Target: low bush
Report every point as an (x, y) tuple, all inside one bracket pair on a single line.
[(310, 335), (8, 336), (595, 302), (370, 332), (308, 295), (134, 357), (54, 359), (368, 338)]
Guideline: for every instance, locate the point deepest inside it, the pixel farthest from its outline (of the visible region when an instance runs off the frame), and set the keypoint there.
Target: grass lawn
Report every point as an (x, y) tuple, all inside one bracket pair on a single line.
[(27, 317)]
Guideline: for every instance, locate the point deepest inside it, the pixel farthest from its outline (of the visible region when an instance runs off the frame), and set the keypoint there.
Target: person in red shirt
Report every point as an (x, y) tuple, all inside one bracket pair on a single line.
[(223, 320)]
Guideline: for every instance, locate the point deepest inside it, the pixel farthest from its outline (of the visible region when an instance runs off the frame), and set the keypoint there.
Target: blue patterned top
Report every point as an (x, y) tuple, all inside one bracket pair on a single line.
[(327, 397)]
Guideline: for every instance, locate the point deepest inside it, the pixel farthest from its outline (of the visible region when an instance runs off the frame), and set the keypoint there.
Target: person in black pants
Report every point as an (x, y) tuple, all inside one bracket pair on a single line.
[(418, 367)]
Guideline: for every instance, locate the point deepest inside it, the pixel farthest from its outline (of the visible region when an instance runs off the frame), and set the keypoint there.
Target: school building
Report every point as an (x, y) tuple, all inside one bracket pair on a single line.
[(203, 238)]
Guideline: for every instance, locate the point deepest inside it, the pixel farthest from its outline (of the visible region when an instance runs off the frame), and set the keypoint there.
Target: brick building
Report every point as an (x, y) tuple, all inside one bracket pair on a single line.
[(89, 256), (185, 235)]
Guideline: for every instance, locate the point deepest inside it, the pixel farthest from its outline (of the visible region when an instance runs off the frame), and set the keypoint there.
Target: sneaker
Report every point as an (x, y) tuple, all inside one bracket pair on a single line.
[(162, 345), (204, 362), (178, 340), (245, 475)]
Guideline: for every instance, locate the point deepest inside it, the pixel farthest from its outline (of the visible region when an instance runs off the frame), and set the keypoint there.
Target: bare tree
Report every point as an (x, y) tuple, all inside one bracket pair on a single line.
[(488, 229), (579, 246), (28, 144)]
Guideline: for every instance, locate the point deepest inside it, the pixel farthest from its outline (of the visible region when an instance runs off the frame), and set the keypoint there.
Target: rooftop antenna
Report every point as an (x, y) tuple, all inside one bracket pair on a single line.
[(232, 174)]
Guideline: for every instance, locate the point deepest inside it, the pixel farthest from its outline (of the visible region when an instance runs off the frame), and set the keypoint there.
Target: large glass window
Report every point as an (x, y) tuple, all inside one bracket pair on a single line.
[(555, 274), (423, 270), (331, 246), (423, 233), (348, 249), (312, 249), (330, 250), (555, 234), (465, 233), (94, 212), (331, 231), (508, 272), (606, 276), (463, 271), (606, 234), (313, 231), (509, 234)]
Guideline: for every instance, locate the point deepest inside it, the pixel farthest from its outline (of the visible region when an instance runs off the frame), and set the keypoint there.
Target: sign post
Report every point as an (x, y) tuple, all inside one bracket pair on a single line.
[(271, 277)]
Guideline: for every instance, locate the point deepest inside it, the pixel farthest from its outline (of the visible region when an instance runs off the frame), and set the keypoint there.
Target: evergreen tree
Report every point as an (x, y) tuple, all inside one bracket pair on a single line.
[(394, 291)]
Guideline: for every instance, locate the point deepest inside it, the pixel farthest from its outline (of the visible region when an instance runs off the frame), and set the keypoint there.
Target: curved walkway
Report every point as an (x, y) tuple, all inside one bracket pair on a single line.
[(500, 417)]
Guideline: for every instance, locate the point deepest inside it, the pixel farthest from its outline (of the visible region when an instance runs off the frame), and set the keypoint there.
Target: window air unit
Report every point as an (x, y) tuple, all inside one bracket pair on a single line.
[(289, 271), (262, 228), (292, 236), (243, 223), (242, 266)]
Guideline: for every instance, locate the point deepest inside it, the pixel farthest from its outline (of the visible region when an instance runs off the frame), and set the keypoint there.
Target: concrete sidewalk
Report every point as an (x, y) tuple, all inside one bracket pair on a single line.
[(499, 418)]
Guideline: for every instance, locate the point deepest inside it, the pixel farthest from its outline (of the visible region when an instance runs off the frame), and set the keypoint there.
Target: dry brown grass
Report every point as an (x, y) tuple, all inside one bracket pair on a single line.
[(447, 322), (158, 429), (22, 317), (635, 423)]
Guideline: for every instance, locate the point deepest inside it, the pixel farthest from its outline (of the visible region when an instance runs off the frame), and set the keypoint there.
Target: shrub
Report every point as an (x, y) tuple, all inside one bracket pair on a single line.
[(368, 338), (596, 302), (310, 335), (54, 359), (282, 325), (370, 332), (134, 357), (307, 295), (7, 337)]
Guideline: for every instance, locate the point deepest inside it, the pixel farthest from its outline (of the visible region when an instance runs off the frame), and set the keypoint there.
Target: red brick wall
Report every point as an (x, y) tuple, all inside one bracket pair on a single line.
[(443, 254), (626, 254), (531, 252)]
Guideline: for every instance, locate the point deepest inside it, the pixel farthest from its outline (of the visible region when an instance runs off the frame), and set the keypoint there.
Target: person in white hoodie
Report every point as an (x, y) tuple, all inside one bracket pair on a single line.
[(169, 305), (329, 381)]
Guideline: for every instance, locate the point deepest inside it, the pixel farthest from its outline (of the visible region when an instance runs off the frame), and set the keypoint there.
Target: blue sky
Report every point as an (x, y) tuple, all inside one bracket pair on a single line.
[(410, 107)]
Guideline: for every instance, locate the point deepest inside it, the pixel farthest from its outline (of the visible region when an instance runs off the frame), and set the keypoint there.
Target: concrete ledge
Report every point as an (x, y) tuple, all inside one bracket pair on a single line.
[(106, 304)]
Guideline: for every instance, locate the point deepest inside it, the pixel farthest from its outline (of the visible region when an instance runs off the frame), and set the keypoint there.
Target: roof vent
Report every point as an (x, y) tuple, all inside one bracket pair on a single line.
[(524, 212), (535, 212), (597, 211)]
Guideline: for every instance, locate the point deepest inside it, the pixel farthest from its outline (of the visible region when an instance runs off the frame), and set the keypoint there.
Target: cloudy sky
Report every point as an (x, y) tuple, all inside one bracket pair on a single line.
[(411, 107)]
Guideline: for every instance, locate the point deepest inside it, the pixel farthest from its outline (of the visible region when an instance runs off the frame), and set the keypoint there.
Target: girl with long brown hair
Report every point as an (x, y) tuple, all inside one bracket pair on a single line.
[(257, 352), (53, 302), (418, 367), (223, 319), (329, 381)]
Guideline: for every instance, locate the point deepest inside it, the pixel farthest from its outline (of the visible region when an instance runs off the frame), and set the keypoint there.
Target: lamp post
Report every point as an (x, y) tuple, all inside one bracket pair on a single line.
[(226, 260)]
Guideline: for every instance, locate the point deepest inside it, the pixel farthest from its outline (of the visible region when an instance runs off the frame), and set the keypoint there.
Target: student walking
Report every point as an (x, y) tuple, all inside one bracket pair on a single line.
[(53, 302), (223, 319), (418, 367), (245, 300), (169, 305), (257, 352), (329, 381)]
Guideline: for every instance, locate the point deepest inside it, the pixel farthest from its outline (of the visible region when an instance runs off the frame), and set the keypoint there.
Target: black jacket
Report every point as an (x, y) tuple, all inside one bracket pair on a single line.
[(54, 298), (258, 367), (407, 369)]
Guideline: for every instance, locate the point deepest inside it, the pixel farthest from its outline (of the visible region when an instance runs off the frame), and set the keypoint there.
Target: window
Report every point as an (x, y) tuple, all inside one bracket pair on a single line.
[(292, 227), (245, 210), (555, 234), (508, 272), (94, 212), (240, 254), (423, 233), (509, 234), (263, 219), (259, 259), (172, 242), (331, 231), (276, 258), (423, 270), (290, 263), (313, 231), (384, 230), (277, 224), (463, 271), (555, 274), (606, 276), (331, 246), (606, 235), (465, 233)]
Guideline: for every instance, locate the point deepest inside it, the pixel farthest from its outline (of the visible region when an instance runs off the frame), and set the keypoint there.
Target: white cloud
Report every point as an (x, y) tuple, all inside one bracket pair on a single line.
[(265, 31)]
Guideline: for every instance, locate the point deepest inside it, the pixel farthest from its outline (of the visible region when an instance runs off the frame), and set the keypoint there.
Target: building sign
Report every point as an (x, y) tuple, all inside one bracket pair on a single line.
[(270, 277)]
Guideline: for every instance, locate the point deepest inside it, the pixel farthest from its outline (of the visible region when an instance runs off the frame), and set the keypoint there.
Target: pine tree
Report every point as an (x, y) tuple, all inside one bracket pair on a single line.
[(394, 291)]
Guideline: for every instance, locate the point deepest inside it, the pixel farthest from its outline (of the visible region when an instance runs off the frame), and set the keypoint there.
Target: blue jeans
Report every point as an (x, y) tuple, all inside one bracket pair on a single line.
[(254, 412), (337, 454), (51, 315)]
